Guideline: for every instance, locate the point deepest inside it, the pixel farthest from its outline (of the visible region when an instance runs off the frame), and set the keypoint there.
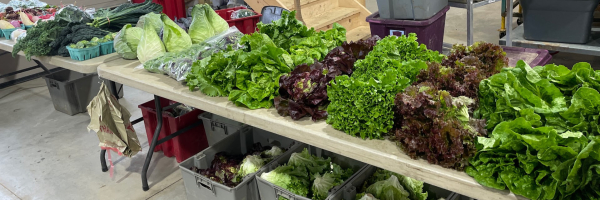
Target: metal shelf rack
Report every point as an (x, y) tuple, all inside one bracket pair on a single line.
[(470, 5)]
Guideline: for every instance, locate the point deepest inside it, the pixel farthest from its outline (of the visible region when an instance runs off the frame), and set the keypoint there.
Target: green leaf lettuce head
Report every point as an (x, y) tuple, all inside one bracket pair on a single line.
[(286, 31), (364, 107), (322, 184), (250, 164), (151, 19), (127, 40), (378, 187), (150, 45), (174, 37)]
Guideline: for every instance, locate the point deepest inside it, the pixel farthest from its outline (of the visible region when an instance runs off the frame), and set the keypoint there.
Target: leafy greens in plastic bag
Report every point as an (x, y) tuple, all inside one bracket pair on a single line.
[(174, 37), (150, 45), (127, 40)]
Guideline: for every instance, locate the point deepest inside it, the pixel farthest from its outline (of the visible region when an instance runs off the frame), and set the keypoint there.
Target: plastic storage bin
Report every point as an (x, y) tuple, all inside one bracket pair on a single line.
[(172, 8), (246, 25), (107, 48), (410, 9), (564, 21), (430, 32), (533, 57), (84, 54), (270, 191), (350, 189), (217, 127), (239, 143), (183, 146), (71, 91), (7, 32)]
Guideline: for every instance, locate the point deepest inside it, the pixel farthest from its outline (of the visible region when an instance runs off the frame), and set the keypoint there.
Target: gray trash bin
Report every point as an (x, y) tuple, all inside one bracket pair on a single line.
[(410, 9)]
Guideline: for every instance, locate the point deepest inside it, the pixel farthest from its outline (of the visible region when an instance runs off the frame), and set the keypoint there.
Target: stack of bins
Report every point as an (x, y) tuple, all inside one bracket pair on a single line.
[(270, 191), (426, 18), (183, 146), (239, 143)]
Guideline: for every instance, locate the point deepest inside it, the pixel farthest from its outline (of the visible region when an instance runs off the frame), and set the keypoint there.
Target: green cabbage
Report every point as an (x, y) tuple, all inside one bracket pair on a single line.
[(150, 46), (152, 19), (174, 37), (127, 40), (200, 29), (218, 23)]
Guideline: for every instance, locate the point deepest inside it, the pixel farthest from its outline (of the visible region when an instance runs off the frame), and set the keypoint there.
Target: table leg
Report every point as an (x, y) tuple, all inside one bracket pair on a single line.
[(103, 160), (153, 144), (113, 89)]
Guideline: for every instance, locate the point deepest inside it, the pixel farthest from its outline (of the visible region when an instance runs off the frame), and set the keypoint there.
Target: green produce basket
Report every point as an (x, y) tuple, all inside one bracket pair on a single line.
[(1, 33), (107, 48), (28, 27), (84, 54), (7, 32)]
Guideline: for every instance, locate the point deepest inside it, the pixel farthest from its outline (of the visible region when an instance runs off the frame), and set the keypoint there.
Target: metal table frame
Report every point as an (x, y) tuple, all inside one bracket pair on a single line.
[(27, 78), (155, 142), (470, 6)]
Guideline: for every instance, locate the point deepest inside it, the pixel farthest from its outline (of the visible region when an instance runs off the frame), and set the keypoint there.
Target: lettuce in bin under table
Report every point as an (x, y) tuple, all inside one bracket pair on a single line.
[(308, 175), (386, 185), (545, 142)]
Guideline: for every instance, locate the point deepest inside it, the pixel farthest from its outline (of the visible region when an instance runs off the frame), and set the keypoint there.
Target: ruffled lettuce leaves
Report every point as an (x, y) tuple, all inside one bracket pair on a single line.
[(384, 184)]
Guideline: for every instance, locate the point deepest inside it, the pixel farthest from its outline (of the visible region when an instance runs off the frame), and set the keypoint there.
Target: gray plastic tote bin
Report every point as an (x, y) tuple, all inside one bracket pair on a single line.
[(270, 191), (567, 21), (350, 189), (410, 9), (217, 127), (429, 32), (71, 91), (238, 143)]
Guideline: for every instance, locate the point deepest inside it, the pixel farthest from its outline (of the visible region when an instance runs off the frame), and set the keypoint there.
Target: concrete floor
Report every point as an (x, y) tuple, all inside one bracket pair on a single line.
[(45, 154)]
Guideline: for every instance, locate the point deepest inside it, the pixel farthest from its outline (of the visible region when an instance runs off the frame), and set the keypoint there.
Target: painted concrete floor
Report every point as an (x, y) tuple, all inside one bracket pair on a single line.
[(45, 154)]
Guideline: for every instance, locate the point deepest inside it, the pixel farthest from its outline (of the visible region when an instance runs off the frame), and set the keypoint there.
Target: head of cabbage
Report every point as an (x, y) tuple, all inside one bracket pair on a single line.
[(151, 19), (127, 40)]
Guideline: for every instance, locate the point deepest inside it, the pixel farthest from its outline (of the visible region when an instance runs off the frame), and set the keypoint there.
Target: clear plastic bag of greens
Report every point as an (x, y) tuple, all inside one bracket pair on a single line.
[(231, 36), (72, 13), (160, 64), (238, 14), (180, 68)]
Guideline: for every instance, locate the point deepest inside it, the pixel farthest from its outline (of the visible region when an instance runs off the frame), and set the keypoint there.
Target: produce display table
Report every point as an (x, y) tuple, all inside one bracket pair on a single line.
[(85, 67), (380, 153), (590, 48)]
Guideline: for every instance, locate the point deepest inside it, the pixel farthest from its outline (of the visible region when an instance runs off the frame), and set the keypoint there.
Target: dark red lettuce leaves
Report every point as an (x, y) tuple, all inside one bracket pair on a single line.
[(461, 72), (303, 92), (431, 124)]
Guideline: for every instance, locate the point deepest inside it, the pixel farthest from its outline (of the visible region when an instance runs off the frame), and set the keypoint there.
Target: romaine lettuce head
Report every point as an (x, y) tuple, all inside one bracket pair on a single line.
[(217, 22), (389, 189), (127, 40), (152, 19), (200, 29), (174, 37), (150, 46)]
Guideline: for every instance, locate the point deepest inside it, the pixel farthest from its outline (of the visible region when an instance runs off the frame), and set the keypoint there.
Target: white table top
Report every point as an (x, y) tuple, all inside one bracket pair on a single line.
[(380, 153), (86, 67)]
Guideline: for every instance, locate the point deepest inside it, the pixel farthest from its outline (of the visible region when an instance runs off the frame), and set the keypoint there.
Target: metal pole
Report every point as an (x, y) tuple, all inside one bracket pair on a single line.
[(469, 22), (509, 15), (158, 108), (113, 89)]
